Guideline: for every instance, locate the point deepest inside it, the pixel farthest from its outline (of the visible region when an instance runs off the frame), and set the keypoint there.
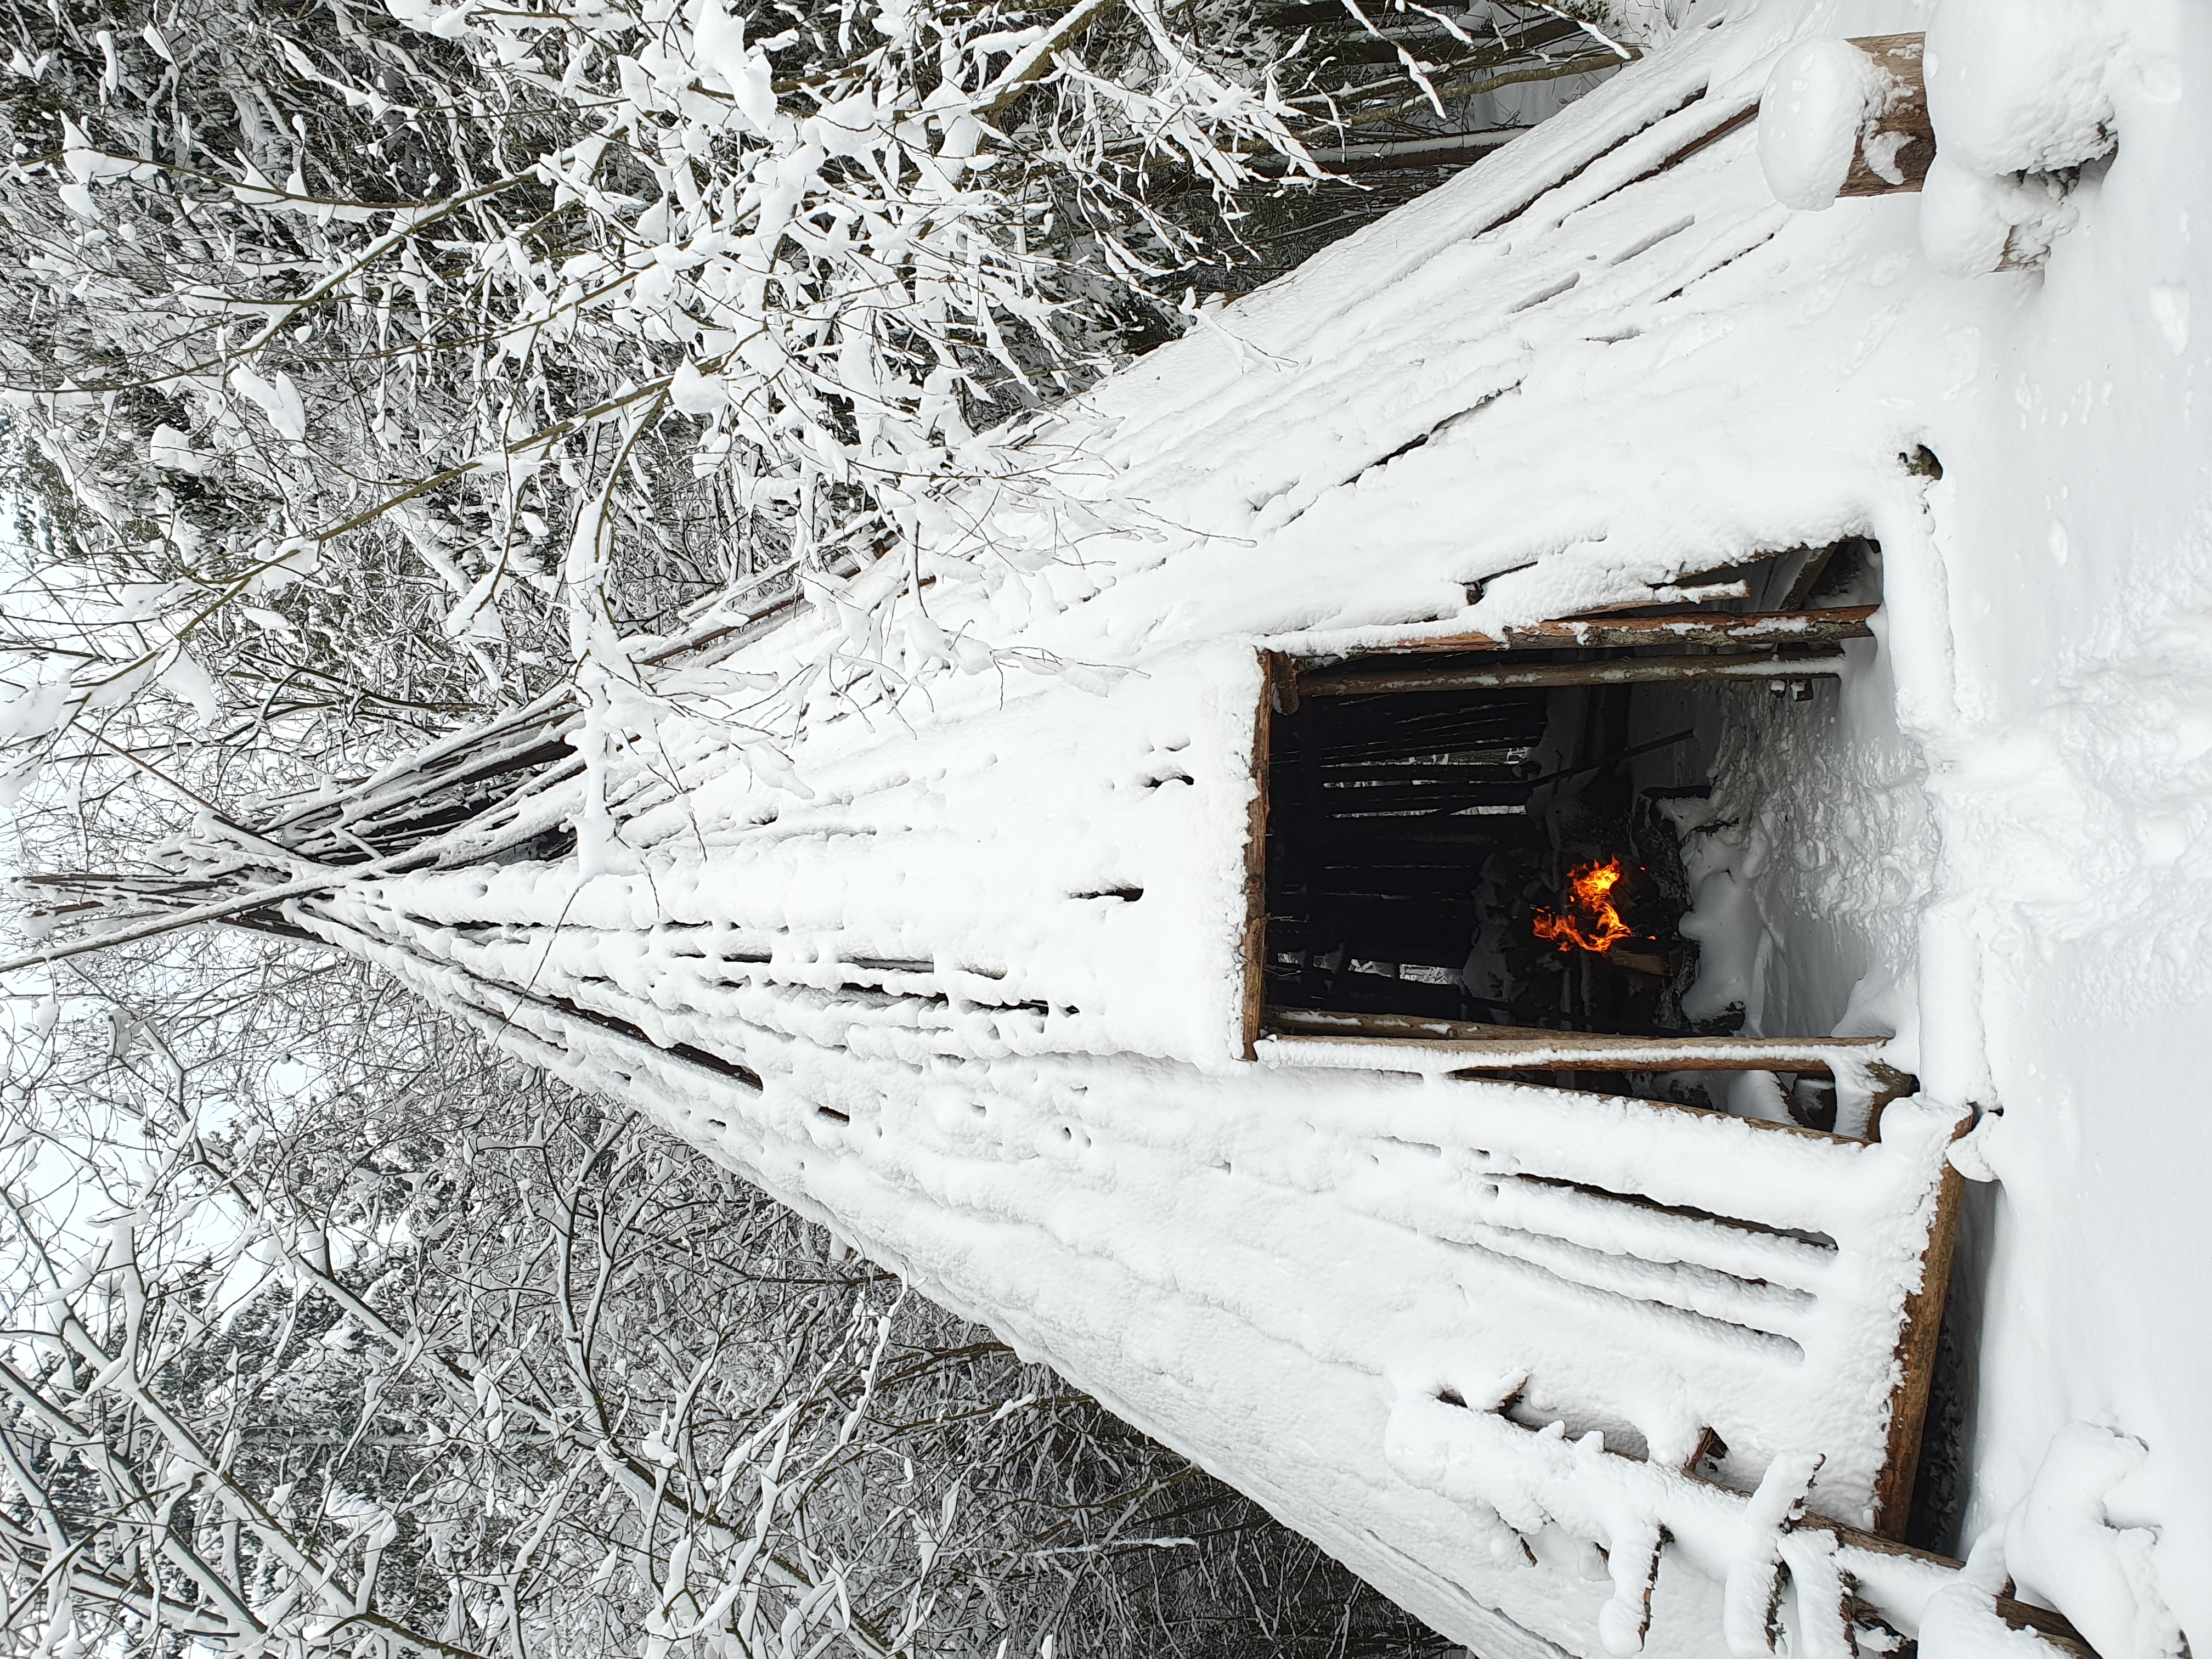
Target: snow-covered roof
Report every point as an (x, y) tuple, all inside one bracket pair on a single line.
[(1602, 358)]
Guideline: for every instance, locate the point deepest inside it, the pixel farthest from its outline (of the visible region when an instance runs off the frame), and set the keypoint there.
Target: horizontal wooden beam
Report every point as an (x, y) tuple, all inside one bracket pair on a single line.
[(1769, 628), (1400, 155), (1624, 670), (1893, 157), (2054, 1629), (1531, 1049)]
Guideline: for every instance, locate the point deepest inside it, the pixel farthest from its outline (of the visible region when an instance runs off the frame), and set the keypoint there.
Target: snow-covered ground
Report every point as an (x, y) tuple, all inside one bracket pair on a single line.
[(986, 975), (2066, 717)]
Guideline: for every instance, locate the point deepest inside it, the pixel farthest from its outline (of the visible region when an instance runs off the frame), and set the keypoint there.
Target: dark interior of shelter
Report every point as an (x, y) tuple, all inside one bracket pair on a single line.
[(1424, 853), (1514, 856)]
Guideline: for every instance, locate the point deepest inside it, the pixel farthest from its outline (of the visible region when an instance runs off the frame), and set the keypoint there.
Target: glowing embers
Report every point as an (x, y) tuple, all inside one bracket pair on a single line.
[(1587, 919)]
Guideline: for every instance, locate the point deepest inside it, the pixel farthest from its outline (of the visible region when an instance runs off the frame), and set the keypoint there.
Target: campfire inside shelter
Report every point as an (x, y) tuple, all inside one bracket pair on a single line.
[(1495, 857), (1511, 854)]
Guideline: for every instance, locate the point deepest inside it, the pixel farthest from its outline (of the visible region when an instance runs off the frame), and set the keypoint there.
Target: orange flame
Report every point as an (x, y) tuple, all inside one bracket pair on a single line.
[(1591, 921)]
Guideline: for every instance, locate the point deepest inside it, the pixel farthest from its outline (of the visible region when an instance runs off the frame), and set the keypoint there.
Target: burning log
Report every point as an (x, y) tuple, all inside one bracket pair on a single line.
[(1589, 921)]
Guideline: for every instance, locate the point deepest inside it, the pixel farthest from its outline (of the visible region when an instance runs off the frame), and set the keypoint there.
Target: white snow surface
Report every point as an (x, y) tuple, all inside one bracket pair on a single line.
[(1812, 116), (986, 973), (2020, 85), (2070, 1536)]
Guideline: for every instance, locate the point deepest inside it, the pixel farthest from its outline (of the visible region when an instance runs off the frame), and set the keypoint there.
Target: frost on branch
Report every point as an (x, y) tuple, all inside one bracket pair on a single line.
[(422, 1356), (334, 329)]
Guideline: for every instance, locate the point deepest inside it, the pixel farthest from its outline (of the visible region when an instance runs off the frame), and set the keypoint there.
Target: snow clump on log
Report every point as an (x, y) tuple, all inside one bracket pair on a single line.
[(1812, 117)]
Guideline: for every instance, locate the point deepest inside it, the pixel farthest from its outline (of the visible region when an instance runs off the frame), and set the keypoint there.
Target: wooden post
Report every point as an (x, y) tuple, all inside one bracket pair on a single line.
[(1916, 1360), (1766, 627), (1478, 1048), (1889, 1084), (1273, 673)]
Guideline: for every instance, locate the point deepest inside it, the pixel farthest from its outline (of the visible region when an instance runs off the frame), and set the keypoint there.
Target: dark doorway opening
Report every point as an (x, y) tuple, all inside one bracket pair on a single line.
[(1489, 836), (1458, 854)]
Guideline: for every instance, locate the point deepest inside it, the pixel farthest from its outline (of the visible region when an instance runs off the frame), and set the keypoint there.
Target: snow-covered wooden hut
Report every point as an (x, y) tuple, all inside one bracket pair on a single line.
[(1411, 950)]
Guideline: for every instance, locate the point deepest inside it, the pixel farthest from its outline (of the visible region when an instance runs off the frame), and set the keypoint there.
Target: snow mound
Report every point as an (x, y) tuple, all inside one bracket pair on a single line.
[(2065, 1544), (2019, 86), (2021, 92), (1812, 117)]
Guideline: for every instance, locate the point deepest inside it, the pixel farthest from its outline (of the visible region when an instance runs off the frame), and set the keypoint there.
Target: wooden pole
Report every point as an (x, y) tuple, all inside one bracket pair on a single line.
[(1768, 628), (1478, 1048), (1628, 671), (1273, 671), (1916, 1360)]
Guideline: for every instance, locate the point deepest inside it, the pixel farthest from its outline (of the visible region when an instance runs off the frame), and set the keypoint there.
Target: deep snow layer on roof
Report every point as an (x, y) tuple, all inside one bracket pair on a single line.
[(1605, 353)]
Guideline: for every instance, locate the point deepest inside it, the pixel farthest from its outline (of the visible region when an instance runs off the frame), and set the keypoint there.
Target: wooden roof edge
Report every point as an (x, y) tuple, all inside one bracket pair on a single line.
[(1684, 627)]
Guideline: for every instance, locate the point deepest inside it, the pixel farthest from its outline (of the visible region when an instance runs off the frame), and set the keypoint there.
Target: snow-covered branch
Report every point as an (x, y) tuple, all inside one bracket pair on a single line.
[(434, 1359)]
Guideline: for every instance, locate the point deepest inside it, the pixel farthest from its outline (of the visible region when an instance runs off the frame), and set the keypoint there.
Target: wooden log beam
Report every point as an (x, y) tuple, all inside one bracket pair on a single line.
[(1769, 628), (1860, 1554), (1630, 671), (1525, 1047), (1252, 939), (1896, 151), (1399, 156), (1893, 158), (1916, 1360)]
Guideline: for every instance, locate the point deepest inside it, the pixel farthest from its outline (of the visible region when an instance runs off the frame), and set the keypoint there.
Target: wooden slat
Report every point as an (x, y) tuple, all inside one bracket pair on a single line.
[(1524, 1047), (1695, 596), (1404, 936), (1329, 1021), (1916, 1361), (2053, 1628), (1711, 135), (1630, 671), (1794, 627), (1254, 941), (1414, 798)]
